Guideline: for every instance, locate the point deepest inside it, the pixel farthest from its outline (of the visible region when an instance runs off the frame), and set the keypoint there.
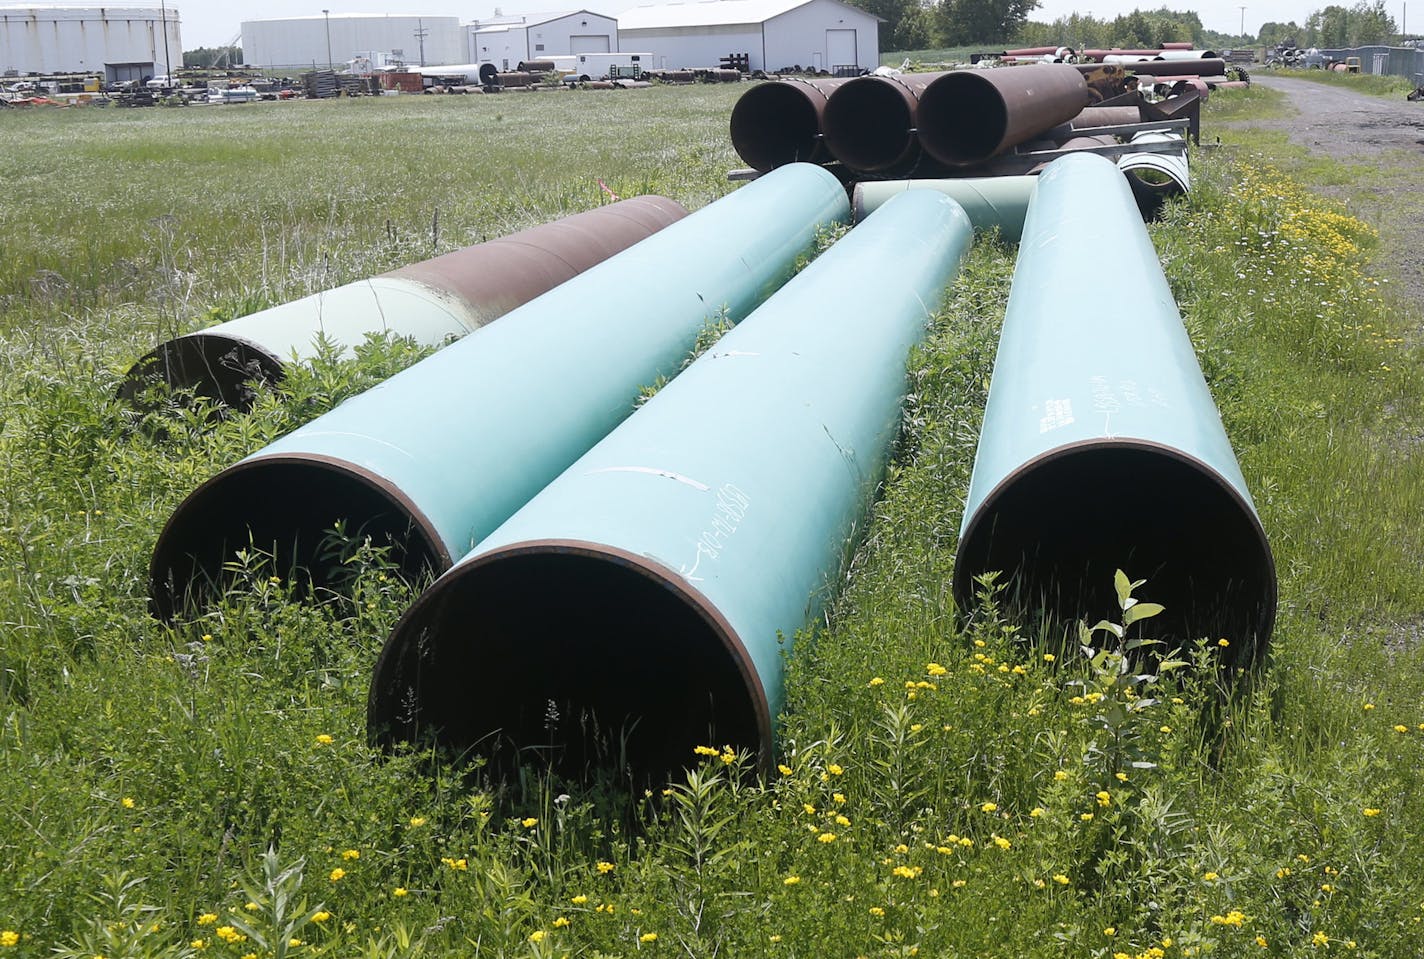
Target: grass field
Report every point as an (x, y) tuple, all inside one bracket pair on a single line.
[(942, 788)]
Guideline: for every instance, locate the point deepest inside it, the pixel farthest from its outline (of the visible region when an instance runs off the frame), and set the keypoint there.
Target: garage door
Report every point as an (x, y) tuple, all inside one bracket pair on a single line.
[(588, 44), (840, 49)]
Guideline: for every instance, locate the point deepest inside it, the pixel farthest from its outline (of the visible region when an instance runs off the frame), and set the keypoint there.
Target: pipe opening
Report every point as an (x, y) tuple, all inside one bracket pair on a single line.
[(224, 369), (775, 124), (963, 118), (1059, 526), (285, 508), (571, 657), (870, 123)]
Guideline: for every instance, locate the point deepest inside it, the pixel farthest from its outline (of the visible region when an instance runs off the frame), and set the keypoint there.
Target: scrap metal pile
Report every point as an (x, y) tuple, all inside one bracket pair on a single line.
[(1009, 116)]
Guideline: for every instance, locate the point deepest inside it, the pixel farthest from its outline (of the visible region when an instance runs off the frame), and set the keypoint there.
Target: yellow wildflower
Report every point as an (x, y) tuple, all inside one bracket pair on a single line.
[(604, 868), (229, 934), (648, 937), (199, 943), (207, 919), (706, 750), (1086, 817), (935, 669), (1059, 775), (958, 884), (790, 880), (1319, 939), (1061, 879), (1233, 918), (324, 740), (529, 823), (1261, 941), (908, 872), (127, 802), (1110, 931), (834, 770), (417, 821), (826, 837), (294, 942), (1370, 811), (842, 821), (775, 938), (989, 807), (838, 797), (810, 809), (337, 874), (561, 922), (1401, 729), (784, 769), (1223, 643), (1049, 657), (9, 938), (1104, 798), (1210, 876), (1035, 812), (400, 891), (351, 854), (538, 936), (877, 681)]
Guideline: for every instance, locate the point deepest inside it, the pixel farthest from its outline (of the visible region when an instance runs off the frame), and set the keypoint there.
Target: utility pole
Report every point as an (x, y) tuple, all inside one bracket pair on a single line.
[(420, 33), (330, 65), (1243, 23), (167, 63)]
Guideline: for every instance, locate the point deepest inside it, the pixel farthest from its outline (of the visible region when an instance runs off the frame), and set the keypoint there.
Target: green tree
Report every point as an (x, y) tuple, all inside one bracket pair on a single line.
[(203, 58), (979, 21), (1370, 23), (1273, 34)]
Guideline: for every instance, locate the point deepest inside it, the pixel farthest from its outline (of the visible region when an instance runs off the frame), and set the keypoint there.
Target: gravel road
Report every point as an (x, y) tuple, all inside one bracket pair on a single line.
[(1385, 135)]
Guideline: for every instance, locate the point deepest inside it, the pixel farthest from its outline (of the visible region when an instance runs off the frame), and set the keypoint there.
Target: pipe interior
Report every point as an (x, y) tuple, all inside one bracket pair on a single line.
[(285, 508), (963, 118), (1061, 526), (220, 368), (869, 125), (567, 661), (775, 124)]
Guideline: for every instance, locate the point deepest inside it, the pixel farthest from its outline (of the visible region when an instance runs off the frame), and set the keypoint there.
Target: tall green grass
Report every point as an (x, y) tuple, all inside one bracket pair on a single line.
[(942, 787)]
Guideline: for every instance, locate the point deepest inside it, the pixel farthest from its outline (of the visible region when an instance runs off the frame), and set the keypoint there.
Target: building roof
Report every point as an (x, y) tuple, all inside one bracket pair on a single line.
[(708, 13), (530, 19)]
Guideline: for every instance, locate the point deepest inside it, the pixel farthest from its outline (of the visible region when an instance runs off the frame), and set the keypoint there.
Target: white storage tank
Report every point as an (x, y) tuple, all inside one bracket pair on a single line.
[(331, 40), (116, 43)]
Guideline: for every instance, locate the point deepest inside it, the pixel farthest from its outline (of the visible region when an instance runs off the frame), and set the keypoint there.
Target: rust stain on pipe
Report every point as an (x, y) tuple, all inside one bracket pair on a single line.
[(968, 116), (870, 122), (780, 122)]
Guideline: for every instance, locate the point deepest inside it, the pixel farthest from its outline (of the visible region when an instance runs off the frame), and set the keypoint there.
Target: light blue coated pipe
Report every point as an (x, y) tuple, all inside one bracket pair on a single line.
[(1101, 446), (990, 201), (435, 458), (652, 591)]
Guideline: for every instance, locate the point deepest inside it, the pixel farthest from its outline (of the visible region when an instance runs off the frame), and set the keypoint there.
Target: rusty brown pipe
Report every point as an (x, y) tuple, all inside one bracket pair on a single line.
[(968, 116), (780, 122), (431, 302), (1177, 68), (1106, 117), (870, 122)]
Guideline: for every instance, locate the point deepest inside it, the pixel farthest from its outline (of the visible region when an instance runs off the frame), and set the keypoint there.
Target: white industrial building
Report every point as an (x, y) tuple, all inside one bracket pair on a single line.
[(117, 43), (773, 34), (316, 42), (505, 41)]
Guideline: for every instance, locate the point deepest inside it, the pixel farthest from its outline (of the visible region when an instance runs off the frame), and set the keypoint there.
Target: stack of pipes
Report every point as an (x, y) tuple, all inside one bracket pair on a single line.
[(954, 124)]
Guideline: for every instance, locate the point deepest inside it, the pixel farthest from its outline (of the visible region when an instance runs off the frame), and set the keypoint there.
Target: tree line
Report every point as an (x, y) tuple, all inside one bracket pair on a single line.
[(933, 24)]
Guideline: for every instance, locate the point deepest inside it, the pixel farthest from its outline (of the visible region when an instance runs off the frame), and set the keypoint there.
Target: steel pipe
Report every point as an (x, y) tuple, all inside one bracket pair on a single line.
[(431, 461), (651, 593), (968, 116), (993, 202), (1101, 447), (1177, 68), (1106, 117), (870, 123), (779, 122), (431, 302), (1156, 178)]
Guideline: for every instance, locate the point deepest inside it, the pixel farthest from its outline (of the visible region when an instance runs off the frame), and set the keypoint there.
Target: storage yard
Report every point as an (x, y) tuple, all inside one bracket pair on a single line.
[(371, 583)]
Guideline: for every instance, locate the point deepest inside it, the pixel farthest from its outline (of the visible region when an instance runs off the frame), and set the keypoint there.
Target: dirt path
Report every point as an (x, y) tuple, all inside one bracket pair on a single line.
[(1386, 136)]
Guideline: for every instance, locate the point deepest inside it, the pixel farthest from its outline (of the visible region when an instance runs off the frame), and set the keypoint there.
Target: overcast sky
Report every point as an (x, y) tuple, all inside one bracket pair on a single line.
[(211, 23)]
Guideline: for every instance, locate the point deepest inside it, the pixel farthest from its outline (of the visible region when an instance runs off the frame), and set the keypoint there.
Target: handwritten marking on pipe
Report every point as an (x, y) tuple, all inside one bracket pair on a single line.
[(654, 471), (1056, 415), (727, 515)]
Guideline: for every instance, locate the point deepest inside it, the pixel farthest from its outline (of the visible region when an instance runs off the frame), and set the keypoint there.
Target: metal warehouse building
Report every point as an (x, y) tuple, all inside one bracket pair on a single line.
[(305, 43), (505, 41), (119, 43), (774, 34)]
